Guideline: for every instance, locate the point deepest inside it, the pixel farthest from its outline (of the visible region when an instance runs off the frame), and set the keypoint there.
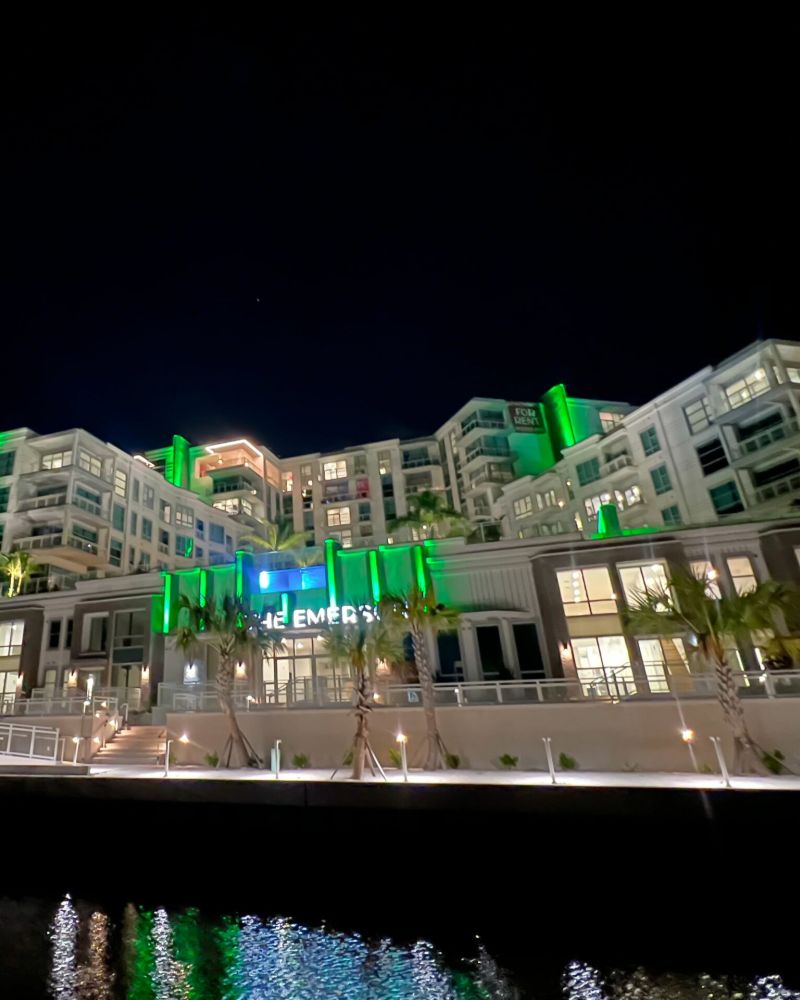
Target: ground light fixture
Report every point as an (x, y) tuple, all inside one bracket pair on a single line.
[(183, 738), (688, 735), (402, 739)]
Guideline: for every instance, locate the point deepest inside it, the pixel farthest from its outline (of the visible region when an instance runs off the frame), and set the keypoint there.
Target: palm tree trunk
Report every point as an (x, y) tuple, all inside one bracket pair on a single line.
[(362, 710), (745, 755), (225, 695), (434, 757)]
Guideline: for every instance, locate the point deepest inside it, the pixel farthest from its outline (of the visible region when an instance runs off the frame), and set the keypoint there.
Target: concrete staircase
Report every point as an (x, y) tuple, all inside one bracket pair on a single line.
[(139, 745)]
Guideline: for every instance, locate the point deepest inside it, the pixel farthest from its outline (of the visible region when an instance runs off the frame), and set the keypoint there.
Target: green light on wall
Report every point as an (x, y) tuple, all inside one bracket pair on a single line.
[(330, 566), (608, 520), (285, 611), (167, 577), (374, 576), (203, 587), (419, 569), (178, 469), (239, 591), (559, 421)]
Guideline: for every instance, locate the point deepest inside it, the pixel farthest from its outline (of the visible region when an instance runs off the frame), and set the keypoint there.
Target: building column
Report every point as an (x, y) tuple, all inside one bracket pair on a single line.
[(509, 646), (470, 658)]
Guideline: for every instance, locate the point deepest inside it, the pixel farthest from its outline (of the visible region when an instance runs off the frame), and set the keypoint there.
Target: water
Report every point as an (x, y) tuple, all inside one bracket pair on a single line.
[(73, 950)]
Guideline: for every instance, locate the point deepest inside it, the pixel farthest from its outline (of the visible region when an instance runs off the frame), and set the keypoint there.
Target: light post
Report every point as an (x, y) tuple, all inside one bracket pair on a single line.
[(276, 759), (402, 739), (181, 739), (551, 767), (723, 767), (77, 740)]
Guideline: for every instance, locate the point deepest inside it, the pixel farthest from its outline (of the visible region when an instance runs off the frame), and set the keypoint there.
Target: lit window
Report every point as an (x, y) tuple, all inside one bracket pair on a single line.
[(120, 483), (603, 666), (703, 570), (742, 574), (305, 475), (633, 495), (586, 591), (90, 463), (659, 654), (593, 504), (523, 507), (747, 388), (338, 515), (57, 460), (609, 420), (230, 505), (334, 470), (641, 580), (287, 482), (165, 511), (698, 415), (650, 442), (793, 374), (184, 516), (148, 496), (11, 638), (345, 537)]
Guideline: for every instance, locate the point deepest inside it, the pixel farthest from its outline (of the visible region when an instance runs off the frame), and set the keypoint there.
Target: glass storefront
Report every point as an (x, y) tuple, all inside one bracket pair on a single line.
[(303, 672)]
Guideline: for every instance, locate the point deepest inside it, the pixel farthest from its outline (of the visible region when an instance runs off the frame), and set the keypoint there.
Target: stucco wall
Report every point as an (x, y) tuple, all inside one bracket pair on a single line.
[(601, 737)]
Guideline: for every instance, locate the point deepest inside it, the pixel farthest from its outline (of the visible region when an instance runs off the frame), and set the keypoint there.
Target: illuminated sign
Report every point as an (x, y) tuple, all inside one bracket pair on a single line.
[(347, 614), (526, 418)]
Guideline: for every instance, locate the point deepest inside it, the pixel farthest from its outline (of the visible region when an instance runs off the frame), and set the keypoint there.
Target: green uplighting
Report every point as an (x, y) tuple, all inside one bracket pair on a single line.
[(239, 576), (203, 587), (608, 520), (167, 601), (374, 576), (559, 421), (330, 566), (178, 474), (419, 567)]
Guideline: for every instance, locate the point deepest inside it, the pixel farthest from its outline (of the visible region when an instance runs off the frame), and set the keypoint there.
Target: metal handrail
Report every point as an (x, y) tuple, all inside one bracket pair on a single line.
[(14, 731)]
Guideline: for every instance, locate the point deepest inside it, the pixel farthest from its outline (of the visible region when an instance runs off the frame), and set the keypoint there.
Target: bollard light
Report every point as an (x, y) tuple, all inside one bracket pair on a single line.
[(688, 735), (184, 738), (402, 739)]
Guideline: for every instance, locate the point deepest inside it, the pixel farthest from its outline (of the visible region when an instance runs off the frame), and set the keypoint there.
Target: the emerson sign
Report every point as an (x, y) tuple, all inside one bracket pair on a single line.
[(347, 614), (526, 418)]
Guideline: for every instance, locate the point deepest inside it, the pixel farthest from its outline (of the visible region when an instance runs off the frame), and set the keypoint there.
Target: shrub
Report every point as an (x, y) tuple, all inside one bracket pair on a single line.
[(773, 761), (301, 760), (212, 759), (508, 761), (453, 761), (567, 763), (348, 759), (395, 757)]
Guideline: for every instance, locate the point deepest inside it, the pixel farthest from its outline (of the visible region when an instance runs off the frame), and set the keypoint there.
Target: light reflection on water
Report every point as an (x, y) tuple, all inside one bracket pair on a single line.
[(181, 956)]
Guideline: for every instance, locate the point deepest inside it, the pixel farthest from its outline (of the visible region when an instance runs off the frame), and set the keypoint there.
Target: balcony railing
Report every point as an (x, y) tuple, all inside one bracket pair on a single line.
[(416, 463), (488, 451), (60, 500), (55, 540), (491, 477), (489, 425), (615, 464), (789, 484), (765, 438)]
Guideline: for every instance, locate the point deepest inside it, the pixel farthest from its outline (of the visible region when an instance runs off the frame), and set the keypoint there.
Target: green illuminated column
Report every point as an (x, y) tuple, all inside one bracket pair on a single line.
[(178, 473), (168, 584), (419, 569), (559, 421), (608, 520), (330, 567), (239, 576), (374, 576)]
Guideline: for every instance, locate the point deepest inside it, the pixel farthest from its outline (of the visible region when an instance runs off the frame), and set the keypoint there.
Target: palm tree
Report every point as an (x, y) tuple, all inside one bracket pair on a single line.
[(362, 646), (428, 514), (687, 605), (18, 567), (274, 537), (234, 632), (421, 615)]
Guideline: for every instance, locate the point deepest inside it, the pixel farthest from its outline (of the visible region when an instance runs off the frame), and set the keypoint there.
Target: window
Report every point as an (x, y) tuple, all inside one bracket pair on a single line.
[(744, 389), (334, 470), (90, 463), (305, 475), (163, 541), (384, 462), (184, 516), (184, 545), (698, 415), (671, 515), (345, 537), (134, 522), (793, 374), (546, 499), (230, 506), (144, 560), (603, 666), (642, 579), (148, 496), (703, 570), (200, 528), (165, 511), (57, 460), (54, 633), (657, 655), (68, 638), (609, 420), (742, 574), (632, 495), (136, 491), (593, 504), (523, 507), (131, 556), (587, 591), (11, 638), (147, 529), (7, 463), (366, 531), (365, 512), (118, 517), (711, 456), (650, 442), (115, 552), (199, 552), (216, 534), (4, 494), (121, 483), (338, 515), (287, 482), (726, 499), (95, 634), (661, 480), (588, 472)]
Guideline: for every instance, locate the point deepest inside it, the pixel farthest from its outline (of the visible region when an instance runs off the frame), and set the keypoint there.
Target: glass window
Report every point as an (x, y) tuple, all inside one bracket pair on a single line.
[(384, 462), (163, 540), (121, 483), (305, 475), (661, 480), (147, 529), (593, 504), (165, 511), (134, 522), (633, 494), (148, 496), (338, 515), (135, 490), (5, 492), (118, 517), (609, 420), (642, 579), (603, 666), (744, 389), (287, 482), (7, 463), (589, 471), (650, 442), (793, 374), (654, 664), (671, 515), (131, 556), (54, 633), (115, 552), (216, 534), (11, 638), (334, 470), (711, 456), (95, 634), (523, 507), (199, 528), (586, 591), (90, 463), (184, 544), (726, 499), (742, 574), (144, 560), (57, 460), (698, 415), (703, 570), (184, 516)]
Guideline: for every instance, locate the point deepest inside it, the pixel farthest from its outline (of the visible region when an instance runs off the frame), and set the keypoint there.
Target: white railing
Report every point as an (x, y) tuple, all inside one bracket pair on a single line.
[(37, 704), (764, 439), (616, 687), (31, 742), (615, 464), (789, 484)]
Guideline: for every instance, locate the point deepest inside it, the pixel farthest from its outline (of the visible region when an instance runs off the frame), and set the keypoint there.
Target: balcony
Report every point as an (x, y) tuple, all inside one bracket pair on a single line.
[(233, 484), (615, 465), (485, 451), (33, 505), (493, 476), (419, 463), (780, 488), (64, 550), (758, 447)]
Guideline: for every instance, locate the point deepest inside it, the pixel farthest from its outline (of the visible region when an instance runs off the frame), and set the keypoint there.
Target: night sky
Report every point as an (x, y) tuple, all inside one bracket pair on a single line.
[(324, 232)]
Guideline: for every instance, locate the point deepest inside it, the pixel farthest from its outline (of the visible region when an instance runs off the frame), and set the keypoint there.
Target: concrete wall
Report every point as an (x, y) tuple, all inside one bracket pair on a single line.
[(644, 735)]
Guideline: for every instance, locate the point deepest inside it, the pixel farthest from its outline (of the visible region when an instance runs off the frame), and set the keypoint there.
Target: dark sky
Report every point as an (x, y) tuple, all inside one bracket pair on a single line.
[(322, 232)]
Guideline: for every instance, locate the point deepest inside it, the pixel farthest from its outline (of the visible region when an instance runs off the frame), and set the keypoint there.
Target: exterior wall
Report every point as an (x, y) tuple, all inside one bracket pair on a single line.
[(601, 737)]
